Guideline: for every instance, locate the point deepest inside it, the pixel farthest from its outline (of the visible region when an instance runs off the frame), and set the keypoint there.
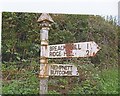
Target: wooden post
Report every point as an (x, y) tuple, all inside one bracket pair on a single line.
[(45, 20)]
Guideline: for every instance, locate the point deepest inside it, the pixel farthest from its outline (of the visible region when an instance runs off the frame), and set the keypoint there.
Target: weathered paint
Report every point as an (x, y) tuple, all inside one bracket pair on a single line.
[(44, 21), (43, 60), (82, 49), (44, 42), (63, 70), (43, 86), (44, 34), (68, 49), (44, 51), (43, 72)]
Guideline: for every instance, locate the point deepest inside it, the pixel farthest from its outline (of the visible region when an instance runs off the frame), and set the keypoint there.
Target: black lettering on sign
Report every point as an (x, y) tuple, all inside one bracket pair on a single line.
[(53, 48), (69, 73), (60, 47), (61, 73), (87, 45), (75, 47), (87, 51), (62, 68), (70, 68), (79, 48), (52, 72), (54, 67), (58, 53), (56, 72)]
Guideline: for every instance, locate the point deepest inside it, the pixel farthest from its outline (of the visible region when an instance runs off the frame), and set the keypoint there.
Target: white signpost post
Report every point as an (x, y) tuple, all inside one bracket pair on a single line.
[(82, 49), (45, 22), (63, 70)]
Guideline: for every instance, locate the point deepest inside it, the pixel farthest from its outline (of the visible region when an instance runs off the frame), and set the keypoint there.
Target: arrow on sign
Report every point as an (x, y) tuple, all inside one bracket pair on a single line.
[(82, 49), (63, 70)]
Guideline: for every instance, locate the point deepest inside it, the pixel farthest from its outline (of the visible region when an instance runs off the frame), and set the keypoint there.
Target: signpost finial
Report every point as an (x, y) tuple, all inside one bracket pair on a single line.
[(45, 17)]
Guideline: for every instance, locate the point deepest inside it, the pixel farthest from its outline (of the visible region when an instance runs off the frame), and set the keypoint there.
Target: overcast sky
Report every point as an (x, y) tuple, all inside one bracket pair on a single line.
[(100, 7), (96, 7)]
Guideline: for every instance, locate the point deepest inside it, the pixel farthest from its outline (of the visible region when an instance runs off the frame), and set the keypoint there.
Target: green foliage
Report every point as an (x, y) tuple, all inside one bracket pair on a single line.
[(109, 81), (85, 88), (20, 77), (88, 81), (56, 37), (53, 92), (19, 35), (63, 81), (21, 48), (21, 87)]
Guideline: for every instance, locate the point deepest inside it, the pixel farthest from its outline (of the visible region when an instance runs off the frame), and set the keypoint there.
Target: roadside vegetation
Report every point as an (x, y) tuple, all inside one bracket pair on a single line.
[(21, 48)]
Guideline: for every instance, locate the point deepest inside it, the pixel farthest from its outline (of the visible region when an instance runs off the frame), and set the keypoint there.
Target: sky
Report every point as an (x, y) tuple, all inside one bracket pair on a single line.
[(100, 7), (91, 7)]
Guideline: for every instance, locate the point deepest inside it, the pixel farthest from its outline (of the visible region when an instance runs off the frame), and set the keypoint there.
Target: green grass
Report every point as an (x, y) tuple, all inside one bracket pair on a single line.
[(28, 83), (109, 81)]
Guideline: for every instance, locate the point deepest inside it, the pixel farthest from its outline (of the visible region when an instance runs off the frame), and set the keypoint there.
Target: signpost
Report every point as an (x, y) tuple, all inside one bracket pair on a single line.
[(82, 49), (45, 20), (63, 70)]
